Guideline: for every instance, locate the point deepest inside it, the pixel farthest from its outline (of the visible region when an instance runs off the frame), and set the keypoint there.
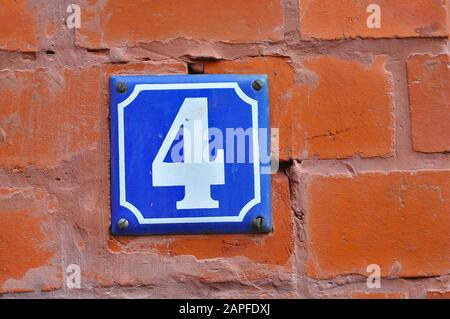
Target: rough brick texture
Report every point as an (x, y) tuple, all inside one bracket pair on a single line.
[(131, 23), (438, 294), (379, 295), (19, 27), (48, 115), (347, 19), (364, 143), (397, 220), (28, 241), (429, 93)]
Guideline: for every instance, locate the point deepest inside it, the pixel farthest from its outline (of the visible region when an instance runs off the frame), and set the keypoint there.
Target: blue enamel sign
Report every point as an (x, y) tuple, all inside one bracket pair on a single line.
[(190, 154)]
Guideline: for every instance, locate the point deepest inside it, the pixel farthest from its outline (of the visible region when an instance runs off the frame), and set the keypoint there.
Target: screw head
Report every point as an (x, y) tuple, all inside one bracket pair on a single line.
[(121, 87), (258, 223), (122, 223), (257, 85)]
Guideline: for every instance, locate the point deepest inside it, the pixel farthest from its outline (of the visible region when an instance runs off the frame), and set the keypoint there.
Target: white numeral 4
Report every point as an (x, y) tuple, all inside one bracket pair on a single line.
[(197, 173)]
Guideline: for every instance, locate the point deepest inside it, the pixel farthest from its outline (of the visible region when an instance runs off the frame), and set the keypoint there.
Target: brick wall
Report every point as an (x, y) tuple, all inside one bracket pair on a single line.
[(364, 118)]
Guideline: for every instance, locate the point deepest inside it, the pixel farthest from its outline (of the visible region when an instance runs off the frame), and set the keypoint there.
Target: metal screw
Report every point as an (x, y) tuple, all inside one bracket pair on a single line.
[(258, 223), (257, 85), (121, 87), (122, 223)]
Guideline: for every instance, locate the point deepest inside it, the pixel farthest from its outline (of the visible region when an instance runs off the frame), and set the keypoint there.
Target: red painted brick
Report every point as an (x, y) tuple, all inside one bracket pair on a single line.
[(344, 108), (29, 245), (130, 23), (448, 17), (429, 94), (379, 295), (349, 111), (437, 294), (364, 294), (259, 248), (347, 19), (49, 115), (398, 220), (19, 30)]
